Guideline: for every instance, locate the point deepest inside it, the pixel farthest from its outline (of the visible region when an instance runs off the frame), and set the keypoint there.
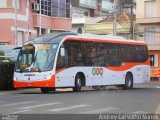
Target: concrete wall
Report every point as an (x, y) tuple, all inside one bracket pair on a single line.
[(140, 9)]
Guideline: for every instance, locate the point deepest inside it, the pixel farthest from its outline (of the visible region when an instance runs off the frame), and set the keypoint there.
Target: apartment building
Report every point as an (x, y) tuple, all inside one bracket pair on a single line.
[(148, 28), (22, 20), (89, 11)]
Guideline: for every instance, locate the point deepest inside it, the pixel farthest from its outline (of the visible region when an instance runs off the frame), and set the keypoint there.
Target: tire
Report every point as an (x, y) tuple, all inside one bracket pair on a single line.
[(78, 83), (128, 82), (45, 90)]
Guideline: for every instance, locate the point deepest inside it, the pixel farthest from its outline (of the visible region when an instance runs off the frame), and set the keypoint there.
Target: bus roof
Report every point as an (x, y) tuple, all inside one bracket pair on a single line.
[(58, 37), (51, 38), (109, 38)]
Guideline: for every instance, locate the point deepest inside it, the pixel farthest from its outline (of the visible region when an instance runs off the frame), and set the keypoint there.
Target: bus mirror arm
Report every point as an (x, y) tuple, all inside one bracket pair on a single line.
[(17, 48)]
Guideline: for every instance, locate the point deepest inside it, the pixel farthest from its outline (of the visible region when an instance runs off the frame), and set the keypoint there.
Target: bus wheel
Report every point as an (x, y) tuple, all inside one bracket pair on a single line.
[(128, 81), (45, 90), (78, 83)]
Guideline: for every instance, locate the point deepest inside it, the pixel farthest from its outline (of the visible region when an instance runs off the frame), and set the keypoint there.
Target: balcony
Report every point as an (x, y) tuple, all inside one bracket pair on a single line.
[(53, 23), (84, 20), (107, 6), (148, 20), (91, 4)]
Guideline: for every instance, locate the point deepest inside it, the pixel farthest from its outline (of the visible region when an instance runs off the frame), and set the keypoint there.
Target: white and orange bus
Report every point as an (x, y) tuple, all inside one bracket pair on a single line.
[(65, 60)]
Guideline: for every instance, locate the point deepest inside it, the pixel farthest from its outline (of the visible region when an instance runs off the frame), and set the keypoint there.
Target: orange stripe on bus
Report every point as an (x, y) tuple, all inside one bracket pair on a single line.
[(127, 66), (60, 70), (35, 84), (103, 40)]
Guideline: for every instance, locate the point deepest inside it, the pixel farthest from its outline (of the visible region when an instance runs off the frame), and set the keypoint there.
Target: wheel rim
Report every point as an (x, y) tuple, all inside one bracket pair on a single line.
[(79, 82), (129, 82)]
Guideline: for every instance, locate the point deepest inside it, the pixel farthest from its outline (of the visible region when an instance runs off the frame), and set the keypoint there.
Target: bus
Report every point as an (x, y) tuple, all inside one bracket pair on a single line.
[(69, 60)]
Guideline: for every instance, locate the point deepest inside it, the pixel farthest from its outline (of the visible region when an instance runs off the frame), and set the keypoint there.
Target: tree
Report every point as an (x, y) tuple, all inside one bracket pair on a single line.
[(1, 54)]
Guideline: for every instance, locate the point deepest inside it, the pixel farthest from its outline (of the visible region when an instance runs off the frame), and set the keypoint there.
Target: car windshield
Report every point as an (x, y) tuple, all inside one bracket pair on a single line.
[(36, 58)]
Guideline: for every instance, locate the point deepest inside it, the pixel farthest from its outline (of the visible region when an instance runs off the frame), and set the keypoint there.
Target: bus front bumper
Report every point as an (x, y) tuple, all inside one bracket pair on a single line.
[(35, 84)]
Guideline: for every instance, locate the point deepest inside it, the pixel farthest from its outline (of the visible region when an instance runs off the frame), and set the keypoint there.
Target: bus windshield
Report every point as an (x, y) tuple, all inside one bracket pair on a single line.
[(36, 58)]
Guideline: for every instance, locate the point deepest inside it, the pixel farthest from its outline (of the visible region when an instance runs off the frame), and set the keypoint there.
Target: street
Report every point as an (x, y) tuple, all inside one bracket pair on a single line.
[(143, 99)]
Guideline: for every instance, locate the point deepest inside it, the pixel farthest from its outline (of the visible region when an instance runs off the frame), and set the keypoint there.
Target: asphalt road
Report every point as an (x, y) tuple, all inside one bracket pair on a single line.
[(143, 99)]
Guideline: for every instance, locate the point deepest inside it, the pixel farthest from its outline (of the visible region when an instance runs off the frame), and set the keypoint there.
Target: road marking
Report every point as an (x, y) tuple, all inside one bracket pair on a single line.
[(41, 105), (158, 110), (22, 111), (19, 103), (99, 110), (69, 108)]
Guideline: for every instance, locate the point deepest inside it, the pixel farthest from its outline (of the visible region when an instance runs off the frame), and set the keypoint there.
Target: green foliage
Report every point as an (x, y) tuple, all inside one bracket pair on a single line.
[(6, 75), (1, 54)]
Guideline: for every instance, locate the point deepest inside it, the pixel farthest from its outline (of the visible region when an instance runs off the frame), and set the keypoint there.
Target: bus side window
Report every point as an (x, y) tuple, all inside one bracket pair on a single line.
[(62, 61), (114, 55)]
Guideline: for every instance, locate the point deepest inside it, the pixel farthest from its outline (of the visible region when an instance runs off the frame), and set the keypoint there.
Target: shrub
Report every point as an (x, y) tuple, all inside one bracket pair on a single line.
[(1, 54), (6, 75)]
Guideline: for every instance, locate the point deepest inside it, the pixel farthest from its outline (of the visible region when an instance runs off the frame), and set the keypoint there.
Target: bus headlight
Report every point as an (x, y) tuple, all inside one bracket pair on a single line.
[(15, 78)]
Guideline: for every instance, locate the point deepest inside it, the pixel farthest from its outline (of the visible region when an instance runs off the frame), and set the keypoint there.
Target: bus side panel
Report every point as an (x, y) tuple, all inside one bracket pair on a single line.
[(93, 76), (147, 73), (65, 77), (141, 74)]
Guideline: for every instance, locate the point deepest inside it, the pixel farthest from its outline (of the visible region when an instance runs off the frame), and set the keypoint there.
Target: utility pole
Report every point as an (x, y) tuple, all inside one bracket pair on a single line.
[(132, 20), (27, 20), (15, 22), (40, 19), (115, 18)]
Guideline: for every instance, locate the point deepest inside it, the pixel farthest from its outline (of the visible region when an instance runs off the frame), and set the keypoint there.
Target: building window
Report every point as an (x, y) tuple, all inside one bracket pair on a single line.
[(150, 8), (68, 12), (62, 7), (85, 13), (55, 8), (15, 3), (149, 35), (19, 38), (46, 7), (3, 43), (3, 4)]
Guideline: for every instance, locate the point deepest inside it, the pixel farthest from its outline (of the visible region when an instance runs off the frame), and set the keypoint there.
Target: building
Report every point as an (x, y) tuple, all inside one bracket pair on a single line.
[(88, 14), (89, 11), (148, 29), (21, 20), (105, 26)]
